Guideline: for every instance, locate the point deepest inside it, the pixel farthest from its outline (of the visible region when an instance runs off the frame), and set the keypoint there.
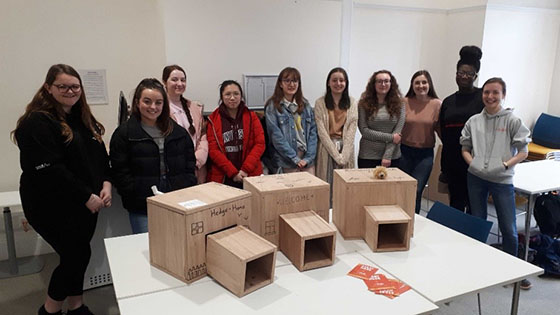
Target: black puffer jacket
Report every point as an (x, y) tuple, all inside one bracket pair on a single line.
[(58, 178), (136, 166)]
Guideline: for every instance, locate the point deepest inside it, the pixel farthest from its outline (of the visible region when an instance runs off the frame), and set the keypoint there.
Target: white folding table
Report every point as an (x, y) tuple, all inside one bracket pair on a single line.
[(326, 290), (443, 264), (15, 266)]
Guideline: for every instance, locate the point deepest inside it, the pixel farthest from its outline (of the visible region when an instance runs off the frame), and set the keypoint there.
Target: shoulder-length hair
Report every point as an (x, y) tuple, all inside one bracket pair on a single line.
[(45, 103), (345, 99), (393, 98), (163, 121), (431, 91), (276, 98), (184, 102)]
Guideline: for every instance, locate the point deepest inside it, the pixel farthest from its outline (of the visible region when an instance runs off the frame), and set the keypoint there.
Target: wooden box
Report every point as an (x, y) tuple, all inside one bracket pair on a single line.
[(240, 260), (179, 221), (307, 240), (387, 228), (355, 188), (274, 195)]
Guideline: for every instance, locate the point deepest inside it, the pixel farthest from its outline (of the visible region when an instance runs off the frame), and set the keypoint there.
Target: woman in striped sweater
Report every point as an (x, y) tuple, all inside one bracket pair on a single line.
[(381, 116)]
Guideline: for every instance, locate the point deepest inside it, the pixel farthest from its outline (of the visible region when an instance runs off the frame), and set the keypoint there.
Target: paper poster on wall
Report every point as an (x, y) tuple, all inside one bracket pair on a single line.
[(95, 86), (258, 88)]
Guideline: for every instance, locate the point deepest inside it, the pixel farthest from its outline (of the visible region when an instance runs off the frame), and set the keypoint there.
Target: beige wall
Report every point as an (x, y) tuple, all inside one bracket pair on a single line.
[(124, 37), (215, 40)]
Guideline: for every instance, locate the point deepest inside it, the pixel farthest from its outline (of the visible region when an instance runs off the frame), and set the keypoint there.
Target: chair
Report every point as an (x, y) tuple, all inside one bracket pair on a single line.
[(461, 222), (546, 137)]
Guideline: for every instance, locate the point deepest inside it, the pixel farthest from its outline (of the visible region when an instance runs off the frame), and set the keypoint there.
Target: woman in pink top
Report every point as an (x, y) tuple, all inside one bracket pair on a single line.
[(418, 134), (188, 114)]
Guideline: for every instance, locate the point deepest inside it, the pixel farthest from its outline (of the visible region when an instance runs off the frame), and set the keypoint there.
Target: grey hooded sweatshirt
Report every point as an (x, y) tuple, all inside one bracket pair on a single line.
[(492, 140)]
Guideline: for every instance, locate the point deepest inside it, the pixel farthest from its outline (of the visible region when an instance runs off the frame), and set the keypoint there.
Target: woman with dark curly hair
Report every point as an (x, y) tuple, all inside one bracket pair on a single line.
[(381, 116)]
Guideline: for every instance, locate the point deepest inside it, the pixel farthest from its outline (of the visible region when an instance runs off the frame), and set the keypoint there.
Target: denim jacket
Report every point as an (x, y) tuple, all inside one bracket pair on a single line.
[(281, 131)]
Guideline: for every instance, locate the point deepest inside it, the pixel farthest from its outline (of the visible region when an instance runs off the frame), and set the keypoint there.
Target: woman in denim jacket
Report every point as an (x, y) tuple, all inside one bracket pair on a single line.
[(290, 123)]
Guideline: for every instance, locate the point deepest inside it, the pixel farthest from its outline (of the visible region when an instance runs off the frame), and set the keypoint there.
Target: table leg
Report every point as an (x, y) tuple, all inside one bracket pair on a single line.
[(14, 266), (528, 215), (9, 229), (515, 299)]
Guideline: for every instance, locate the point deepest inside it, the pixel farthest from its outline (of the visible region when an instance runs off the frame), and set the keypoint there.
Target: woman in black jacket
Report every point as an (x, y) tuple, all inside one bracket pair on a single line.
[(65, 180), (150, 149)]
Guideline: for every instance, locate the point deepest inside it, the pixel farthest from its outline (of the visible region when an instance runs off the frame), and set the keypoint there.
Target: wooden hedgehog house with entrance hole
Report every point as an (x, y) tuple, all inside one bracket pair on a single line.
[(291, 211), (357, 195)]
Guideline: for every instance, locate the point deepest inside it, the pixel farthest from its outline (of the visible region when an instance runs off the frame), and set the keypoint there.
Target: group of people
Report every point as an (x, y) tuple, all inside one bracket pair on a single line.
[(68, 176)]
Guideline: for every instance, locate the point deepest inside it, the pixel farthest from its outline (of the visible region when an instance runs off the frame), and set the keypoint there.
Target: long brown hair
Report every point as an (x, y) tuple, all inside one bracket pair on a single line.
[(276, 98), (44, 102), (431, 91), (163, 121), (184, 102), (393, 99)]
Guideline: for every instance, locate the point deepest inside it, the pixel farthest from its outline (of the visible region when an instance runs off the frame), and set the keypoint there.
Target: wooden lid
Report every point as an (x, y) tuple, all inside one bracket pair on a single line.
[(387, 214), (281, 182), (197, 198), (308, 224), (365, 175), (245, 244)]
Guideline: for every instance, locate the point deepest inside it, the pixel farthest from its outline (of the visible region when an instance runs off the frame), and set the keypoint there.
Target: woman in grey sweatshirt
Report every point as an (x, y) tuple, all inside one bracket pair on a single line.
[(492, 143)]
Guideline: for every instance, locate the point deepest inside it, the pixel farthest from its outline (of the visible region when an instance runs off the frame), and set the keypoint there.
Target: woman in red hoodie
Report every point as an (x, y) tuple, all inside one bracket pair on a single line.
[(235, 138)]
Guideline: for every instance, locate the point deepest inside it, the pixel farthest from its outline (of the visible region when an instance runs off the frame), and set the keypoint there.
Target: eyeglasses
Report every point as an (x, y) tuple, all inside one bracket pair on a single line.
[(288, 81), (383, 81), (466, 74), (62, 88)]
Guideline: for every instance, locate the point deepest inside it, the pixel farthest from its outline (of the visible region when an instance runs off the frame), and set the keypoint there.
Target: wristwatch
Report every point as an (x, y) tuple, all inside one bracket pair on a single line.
[(506, 166)]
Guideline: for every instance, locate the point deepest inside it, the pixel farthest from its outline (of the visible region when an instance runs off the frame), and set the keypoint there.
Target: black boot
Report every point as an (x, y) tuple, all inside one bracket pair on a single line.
[(82, 310), (43, 311)]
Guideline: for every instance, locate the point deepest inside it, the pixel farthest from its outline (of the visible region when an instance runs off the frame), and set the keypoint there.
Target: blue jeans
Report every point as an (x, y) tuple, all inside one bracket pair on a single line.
[(504, 200), (417, 162), (138, 222)]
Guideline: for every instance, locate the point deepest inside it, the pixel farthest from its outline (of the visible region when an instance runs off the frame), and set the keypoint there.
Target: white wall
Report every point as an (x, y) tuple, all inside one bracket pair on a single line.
[(217, 40), (554, 101), (124, 37), (464, 27), (397, 40), (520, 45)]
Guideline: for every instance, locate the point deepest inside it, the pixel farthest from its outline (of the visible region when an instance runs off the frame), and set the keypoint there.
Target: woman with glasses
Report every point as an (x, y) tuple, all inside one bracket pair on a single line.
[(336, 115), (456, 109), (150, 149), (65, 180), (381, 116), (291, 125), (235, 138), (418, 134), (188, 114)]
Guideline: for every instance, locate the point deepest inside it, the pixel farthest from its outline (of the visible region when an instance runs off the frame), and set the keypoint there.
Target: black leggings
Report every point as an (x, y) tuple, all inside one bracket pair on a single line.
[(70, 238)]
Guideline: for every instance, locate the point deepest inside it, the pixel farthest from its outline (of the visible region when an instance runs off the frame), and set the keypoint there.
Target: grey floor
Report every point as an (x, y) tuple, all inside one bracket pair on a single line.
[(23, 295)]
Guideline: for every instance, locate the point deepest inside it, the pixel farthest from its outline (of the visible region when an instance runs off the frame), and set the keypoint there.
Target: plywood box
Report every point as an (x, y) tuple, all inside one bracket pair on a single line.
[(179, 221), (387, 228), (307, 240), (274, 195), (355, 188), (240, 260)]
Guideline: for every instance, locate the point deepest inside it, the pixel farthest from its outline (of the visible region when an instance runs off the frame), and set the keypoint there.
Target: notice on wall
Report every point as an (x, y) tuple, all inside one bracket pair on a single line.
[(258, 88), (95, 86)]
